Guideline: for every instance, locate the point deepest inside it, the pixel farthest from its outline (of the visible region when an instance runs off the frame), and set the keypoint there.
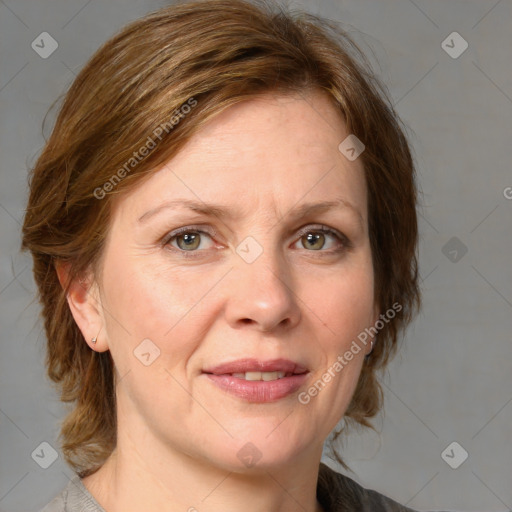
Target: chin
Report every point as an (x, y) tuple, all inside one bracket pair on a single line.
[(259, 449)]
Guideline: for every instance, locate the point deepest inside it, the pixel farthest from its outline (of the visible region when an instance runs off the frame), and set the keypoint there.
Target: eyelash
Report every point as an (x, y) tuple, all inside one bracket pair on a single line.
[(346, 244)]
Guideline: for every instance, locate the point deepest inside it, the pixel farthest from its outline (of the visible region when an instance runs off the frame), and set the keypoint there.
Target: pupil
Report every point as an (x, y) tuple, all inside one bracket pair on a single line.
[(189, 240), (313, 238)]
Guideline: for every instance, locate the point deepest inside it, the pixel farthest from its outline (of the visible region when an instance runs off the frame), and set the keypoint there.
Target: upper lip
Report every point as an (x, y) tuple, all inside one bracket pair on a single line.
[(256, 365)]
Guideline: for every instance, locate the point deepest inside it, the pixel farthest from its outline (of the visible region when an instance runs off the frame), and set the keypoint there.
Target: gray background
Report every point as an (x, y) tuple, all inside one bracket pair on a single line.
[(452, 380)]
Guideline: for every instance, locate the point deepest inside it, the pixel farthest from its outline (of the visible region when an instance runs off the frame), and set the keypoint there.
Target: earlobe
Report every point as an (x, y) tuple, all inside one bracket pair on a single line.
[(84, 304)]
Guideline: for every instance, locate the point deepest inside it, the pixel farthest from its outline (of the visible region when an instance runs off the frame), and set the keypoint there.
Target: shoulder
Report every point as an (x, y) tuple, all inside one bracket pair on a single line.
[(58, 504), (74, 498), (337, 492)]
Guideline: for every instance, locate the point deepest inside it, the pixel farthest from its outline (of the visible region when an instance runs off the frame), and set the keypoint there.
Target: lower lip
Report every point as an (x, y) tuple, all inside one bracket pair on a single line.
[(258, 391)]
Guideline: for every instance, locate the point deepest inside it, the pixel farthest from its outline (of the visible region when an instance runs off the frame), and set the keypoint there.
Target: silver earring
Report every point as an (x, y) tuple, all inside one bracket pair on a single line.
[(369, 353), (95, 339)]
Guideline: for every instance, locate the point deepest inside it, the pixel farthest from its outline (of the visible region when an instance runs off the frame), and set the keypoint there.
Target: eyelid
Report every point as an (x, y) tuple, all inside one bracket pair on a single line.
[(185, 229), (323, 229)]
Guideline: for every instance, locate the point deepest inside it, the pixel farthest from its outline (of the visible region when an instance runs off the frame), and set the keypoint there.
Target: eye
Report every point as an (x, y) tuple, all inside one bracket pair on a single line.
[(315, 239), (191, 241), (188, 239)]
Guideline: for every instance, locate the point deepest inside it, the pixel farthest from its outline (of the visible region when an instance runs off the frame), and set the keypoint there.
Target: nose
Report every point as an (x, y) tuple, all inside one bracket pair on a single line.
[(260, 295)]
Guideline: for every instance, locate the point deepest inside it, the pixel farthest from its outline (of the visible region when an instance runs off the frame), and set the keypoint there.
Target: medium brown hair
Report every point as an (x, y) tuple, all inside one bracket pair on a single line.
[(218, 52)]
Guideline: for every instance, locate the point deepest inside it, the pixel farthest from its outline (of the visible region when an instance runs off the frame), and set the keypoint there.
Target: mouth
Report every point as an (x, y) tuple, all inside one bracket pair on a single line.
[(255, 369), (258, 381)]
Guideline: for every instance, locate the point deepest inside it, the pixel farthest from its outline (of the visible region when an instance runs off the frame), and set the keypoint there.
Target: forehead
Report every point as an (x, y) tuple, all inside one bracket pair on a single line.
[(272, 151), (305, 125)]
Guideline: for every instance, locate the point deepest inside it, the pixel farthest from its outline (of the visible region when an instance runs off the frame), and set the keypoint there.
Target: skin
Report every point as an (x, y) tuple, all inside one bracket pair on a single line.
[(178, 434)]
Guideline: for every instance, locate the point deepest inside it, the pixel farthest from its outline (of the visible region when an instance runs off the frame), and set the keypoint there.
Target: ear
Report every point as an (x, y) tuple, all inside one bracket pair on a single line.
[(375, 317), (85, 304), (376, 313)]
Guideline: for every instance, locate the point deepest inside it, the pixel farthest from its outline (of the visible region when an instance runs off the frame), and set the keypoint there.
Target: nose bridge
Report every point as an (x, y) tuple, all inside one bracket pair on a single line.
[(261, 287), (262, 264)]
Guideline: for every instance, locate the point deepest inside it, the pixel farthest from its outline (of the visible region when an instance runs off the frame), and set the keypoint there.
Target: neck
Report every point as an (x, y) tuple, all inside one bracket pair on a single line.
[(164, 479)]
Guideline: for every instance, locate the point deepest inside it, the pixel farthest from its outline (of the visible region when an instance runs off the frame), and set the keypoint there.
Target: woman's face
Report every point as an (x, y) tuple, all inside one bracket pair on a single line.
[(267, 278)]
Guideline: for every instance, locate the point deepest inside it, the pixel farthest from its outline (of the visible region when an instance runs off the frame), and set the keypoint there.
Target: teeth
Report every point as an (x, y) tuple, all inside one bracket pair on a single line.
[(253, 375), (266, 376)]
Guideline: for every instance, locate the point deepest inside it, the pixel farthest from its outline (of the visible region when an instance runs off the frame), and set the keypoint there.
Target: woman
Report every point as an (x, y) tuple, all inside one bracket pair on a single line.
[(224, 237)]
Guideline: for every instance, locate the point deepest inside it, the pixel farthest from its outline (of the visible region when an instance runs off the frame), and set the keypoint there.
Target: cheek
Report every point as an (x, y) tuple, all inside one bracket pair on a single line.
[(346, 308), (149, 311), (153, 302), (346, 304)]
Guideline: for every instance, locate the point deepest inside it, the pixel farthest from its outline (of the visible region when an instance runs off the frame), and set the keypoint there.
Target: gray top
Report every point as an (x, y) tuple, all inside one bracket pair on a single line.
[(335, 492), (74, 498)]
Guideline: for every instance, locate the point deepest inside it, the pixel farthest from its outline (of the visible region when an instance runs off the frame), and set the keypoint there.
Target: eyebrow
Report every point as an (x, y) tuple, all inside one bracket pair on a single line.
[(223, 212)]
